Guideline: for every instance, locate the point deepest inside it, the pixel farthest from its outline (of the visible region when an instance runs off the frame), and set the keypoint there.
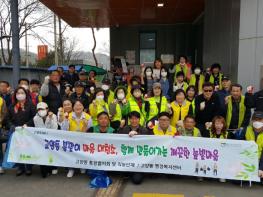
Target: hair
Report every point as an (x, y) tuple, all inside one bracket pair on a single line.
[(182, 56), (95, 73), (164, 114), (158, 60), (189, 117), (23, 79), (25, 91), (137, 79), (191, 87), (215, 65), (178, 91), (135, 114), (166, 69), (237, 86), (97, 90), (54, 71), (5, 82), (71, 66), (120, 88), (213, 129), (35, 81), (197, 66), (77, 100), (103, 113), (60, 67), (67, 99), (180, 73), (208, 84)]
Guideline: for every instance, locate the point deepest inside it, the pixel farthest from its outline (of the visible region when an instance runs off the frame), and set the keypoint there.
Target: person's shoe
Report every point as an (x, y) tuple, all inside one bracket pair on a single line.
[(2, 171), (200, 179), (222, 180), (82, 171), (28, 172), (70, 173), (55, 171), (19, 172)]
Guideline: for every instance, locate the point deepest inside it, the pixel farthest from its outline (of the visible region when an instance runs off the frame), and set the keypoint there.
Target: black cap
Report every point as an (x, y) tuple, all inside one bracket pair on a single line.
[(258, 114), (78, 84), (225, 78)]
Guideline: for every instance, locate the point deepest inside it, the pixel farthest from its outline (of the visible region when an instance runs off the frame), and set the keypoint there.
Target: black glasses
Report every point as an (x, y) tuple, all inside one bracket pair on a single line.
[(208, 90)]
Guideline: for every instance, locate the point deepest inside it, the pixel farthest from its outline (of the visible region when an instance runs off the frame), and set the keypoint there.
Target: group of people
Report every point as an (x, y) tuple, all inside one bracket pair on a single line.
[(180, 100)]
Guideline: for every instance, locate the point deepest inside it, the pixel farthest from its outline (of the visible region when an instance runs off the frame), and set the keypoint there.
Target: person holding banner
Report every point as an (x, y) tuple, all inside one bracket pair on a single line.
[(164, 127), (254, 132), (103, 125), (64, 111), (21, 114), (45, 119), (189, 128)]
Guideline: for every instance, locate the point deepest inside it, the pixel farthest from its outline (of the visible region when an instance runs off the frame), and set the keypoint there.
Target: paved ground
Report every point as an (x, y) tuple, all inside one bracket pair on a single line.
[(60, 186)]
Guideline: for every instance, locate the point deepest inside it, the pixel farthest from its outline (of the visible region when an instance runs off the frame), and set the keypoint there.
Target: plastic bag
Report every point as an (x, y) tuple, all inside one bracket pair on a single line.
[(99, 179)]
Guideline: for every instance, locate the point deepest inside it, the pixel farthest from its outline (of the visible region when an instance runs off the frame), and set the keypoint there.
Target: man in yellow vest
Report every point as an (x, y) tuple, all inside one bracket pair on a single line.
[(254, 133), (164, 127), (215, 76), (237, 112), (189, 128)]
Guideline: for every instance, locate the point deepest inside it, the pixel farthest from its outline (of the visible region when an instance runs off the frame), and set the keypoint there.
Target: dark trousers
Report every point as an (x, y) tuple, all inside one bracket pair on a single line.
[(204, 132), (25, 167), (136, 177)]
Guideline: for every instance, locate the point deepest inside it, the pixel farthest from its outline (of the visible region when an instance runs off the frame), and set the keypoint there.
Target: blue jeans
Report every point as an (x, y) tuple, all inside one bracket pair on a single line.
[(8, 134)]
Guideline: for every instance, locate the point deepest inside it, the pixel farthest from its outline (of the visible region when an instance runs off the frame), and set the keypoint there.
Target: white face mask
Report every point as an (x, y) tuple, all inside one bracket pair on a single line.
[(105, 87), (100, 97), (164, 74), (257, 124), (42, 113), (120, 96), (197, 71), (148, 73), (20, 97)]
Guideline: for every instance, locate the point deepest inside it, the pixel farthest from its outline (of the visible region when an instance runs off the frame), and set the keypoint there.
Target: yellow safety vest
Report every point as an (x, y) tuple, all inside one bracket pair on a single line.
[(176, 111), (118, 115), (201, 82), (170, 131), (250, 136), (94, 111), (133, 106), (221, 136), (75, 125), (1, 109), (212, 80), (178, 69), (110, 97), (154, 109), (241, 115)]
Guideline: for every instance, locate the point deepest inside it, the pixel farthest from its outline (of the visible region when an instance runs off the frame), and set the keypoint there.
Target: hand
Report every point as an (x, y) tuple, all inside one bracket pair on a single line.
[(208, 125), (133, 133), (227, 98), (67, 91), (124, 101), (180, 123), (50, 114), (115, 101), (250, 89), (260, 173), (150, 125), (24, 126), (66, 115), (46, 80), (84, 126), (217, 88), (202, 106), (175, 88), (122, 123), (142, 65)]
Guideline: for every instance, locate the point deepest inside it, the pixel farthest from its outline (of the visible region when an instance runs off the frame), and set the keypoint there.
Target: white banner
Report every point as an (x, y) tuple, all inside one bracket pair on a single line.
[(216, 158)]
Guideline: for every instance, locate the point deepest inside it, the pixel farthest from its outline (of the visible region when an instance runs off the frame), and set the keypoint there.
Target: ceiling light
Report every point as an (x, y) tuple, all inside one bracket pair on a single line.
[(160, 5)]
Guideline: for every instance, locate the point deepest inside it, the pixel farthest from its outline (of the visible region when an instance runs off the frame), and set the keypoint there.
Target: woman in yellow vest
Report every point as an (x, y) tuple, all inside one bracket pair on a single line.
[(155, 105), (98, 105), (78, 121), (191, 93), (164, 127), (136, 103), (254, 132), (218, 128), (197, 78), (182, 67), (180, 108), (216, 76)]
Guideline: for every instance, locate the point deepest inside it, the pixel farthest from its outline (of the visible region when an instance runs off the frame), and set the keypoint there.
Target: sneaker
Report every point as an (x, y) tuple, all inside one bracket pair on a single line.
[(2, 171), (28, 172), (222, 180), (82, 171), (55, 171), (19, 172), (70, 173)]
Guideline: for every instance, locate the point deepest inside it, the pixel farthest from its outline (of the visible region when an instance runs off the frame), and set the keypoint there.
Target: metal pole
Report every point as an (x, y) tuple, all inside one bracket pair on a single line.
[(15, 41), (55, 40)]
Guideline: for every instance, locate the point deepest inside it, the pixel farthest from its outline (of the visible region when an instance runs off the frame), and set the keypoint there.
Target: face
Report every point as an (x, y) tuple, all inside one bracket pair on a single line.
[(180, 79), (255, 123), (135, 83), (67, 106), (82, 77), (158, 64), (134, 121), (55, 77), (218, 126), (91, 74), (103, 120), (208, 92), (79, 90), (180, 97), (157, 91), (23, 83), (236, 92), (189, 123), (35, 87), (120, 94), (20, 95), (226, 84), (78, 107), (137, 93), (182, 60), (215, 71), (71, 70), (164, 122), (100, 94), (191, 93), (3, 88)]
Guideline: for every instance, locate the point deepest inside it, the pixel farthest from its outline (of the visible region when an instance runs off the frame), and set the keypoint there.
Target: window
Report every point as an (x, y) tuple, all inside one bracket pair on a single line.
[(147, 47)]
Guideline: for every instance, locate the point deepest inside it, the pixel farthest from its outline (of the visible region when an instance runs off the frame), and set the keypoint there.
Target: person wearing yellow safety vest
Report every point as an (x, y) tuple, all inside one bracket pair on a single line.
[(197, 78), (191, 93), (237, 113), (189, 128), (135, 81), (136, 103), (98, 105), (254, 132), (215, 76), (117, 108), (77, 121), (179, 82), (164, 127), (179, 108), (182, 67), (3, 112), (108, 93), (154, 105)]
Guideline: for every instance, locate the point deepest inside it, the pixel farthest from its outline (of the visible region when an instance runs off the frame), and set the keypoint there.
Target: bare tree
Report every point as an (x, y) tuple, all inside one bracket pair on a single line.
[(32, 14), (94, 47)]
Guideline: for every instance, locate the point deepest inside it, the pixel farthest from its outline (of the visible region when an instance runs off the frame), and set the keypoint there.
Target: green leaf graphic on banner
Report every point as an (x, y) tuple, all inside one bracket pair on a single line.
[(50, 159)]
